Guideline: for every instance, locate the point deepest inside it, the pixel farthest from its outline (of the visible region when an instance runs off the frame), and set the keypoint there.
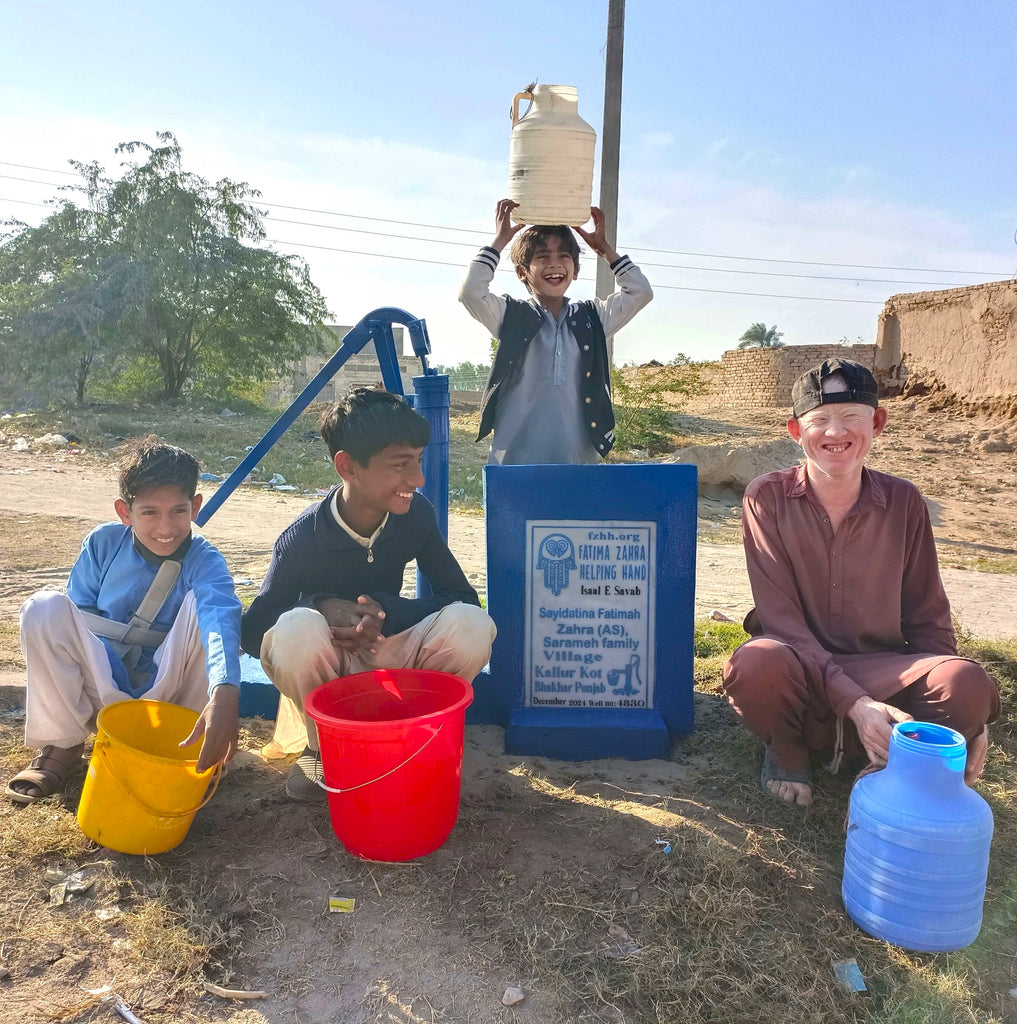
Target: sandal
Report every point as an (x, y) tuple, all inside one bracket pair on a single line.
[(45, 775), (772, 772), (304, 778)]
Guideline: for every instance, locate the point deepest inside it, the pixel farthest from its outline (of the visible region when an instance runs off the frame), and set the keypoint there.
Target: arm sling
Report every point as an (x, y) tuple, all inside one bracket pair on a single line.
[(127, 639)]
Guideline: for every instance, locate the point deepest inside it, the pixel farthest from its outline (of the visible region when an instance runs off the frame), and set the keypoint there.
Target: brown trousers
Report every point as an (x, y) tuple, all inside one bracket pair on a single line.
[(771, 690)]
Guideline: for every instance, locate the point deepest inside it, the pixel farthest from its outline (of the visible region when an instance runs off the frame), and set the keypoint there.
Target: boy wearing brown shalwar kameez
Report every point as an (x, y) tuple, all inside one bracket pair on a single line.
[(851, 630)]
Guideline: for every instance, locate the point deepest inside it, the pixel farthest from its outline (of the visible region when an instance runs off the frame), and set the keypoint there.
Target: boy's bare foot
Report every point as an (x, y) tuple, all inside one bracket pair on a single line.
[(45, 775), (792, 787)]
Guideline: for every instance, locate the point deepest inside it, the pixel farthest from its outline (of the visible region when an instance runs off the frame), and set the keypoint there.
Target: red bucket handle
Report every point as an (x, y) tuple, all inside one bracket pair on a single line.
[(391, 771)]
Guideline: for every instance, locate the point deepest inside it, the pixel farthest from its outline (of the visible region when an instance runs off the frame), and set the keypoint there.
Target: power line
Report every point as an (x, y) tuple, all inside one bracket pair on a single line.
[(31, 181), (669, 287), (666, 266), (279, 206), (642, 263), (30, 167), (505, 270), (364, 231), (380, 220), (23, 202), (636, 248)]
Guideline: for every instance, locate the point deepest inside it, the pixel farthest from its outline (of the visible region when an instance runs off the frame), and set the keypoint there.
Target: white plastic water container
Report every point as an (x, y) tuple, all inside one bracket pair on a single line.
[(551, 154)]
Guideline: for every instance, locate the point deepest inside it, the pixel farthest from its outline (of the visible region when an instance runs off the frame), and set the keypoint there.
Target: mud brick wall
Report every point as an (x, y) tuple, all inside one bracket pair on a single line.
[(763, 376), (964, 339)]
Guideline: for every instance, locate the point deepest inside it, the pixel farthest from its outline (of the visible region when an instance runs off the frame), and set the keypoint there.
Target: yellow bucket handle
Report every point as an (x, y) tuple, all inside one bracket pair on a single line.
[(391, 771), (101, 749)]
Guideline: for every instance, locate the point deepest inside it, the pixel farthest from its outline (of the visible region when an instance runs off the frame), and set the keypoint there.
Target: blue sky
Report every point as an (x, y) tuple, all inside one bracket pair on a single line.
[(879, 135)]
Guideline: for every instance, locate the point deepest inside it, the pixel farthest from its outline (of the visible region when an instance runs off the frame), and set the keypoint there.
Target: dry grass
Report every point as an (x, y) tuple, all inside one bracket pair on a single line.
[(980, 563), (299, 455), (151, 928), (45, 829), (552, 879), (741, 928), (742, 921), (48, 541), (10, 646)]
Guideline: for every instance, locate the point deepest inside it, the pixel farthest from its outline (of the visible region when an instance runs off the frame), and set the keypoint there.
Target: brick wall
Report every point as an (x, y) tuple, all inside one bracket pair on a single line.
[(763, 376)]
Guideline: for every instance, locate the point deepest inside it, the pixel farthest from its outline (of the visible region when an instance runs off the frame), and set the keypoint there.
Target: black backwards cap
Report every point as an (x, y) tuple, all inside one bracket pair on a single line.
[(807, 392)]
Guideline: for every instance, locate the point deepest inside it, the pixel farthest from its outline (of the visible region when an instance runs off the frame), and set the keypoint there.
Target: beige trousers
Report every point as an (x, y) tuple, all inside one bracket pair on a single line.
[(69, 675), (297, 655)]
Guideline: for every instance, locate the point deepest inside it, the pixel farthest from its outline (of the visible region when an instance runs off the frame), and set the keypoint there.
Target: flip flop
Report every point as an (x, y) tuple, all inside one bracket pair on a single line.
[(772, 772), (45, 775)]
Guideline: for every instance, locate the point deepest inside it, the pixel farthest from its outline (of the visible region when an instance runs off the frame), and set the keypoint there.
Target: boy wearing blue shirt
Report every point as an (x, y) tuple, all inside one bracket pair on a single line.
[(150, 611)]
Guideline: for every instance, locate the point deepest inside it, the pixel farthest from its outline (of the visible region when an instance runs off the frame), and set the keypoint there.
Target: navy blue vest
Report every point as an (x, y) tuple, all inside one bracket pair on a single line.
[(518, 328)]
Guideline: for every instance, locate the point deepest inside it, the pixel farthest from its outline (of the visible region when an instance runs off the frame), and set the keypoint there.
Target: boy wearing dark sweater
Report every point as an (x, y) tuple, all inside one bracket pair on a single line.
[(330, 604)]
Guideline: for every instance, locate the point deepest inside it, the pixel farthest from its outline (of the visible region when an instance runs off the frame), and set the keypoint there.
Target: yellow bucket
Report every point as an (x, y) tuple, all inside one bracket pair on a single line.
[(142, 791)]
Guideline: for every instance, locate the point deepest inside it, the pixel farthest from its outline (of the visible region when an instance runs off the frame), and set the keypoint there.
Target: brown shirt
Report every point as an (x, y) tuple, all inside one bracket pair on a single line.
[(872, 587)]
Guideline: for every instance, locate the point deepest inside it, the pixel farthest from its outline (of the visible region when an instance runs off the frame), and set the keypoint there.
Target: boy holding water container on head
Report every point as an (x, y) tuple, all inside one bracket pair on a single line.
[(548, 396), (150, 611), (330, 605)]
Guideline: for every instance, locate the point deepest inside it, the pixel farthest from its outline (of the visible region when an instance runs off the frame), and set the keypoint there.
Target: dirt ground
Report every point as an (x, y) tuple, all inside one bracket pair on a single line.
[(549, 861)]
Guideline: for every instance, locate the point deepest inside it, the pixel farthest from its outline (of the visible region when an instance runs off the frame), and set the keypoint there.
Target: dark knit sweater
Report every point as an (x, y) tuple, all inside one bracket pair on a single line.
[(315, 557)]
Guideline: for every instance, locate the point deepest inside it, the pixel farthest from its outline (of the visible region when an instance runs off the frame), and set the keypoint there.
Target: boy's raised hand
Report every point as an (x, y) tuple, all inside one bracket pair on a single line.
[(505, 230), (219, 724), (596, 239)]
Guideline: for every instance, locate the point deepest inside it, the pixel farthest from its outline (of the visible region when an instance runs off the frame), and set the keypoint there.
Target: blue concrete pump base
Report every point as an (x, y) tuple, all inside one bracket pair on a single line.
[(579, 734)]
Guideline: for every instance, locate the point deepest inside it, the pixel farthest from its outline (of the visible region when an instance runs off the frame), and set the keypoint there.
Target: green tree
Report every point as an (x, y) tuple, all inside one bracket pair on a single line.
[(466, 376), (761, 336), (63, 290), (162, 267), (645, 400)]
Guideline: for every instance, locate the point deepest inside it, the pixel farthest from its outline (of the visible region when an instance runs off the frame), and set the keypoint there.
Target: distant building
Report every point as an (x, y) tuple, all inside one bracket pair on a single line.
[(362, 370)]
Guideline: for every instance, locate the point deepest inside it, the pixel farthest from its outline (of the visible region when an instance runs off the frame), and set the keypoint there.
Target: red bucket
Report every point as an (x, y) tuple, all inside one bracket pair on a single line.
[(392, 758)]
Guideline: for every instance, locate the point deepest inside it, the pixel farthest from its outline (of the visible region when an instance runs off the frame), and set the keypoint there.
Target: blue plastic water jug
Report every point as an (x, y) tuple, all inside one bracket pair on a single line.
[(917, 850)]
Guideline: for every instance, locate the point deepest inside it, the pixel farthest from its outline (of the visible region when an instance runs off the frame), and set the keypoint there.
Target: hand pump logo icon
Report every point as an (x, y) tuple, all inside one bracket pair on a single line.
[(556, 556)]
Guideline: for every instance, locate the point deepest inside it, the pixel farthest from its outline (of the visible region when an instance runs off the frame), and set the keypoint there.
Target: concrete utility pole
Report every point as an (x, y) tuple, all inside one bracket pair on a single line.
[(610, 143)]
